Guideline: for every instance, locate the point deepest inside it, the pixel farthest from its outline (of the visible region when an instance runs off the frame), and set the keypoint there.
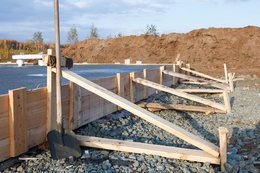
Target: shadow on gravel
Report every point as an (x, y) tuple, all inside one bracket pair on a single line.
[(232, 101), (200, 129), (244, 150)]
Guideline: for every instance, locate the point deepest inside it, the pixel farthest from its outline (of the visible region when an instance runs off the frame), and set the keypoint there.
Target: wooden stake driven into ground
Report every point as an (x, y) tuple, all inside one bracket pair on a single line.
[(142, 113), (143, 148), (180, 93)]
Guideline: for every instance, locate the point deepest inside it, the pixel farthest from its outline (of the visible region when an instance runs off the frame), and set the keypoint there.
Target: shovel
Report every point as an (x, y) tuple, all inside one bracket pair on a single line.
[(62, 144)]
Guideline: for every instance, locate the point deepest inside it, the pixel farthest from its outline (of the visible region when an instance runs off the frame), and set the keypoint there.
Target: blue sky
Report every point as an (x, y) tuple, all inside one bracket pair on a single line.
[(19, 19)]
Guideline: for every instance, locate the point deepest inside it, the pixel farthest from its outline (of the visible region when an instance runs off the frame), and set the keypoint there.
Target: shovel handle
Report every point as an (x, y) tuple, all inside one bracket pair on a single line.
[(58, 67)]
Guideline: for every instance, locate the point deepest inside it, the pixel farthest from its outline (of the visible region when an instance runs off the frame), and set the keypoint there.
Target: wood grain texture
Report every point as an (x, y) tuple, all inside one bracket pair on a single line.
[(142, 113), (36, 108), (180, 93), (18, 121), (4, 149), (4, 103), (143, 148)]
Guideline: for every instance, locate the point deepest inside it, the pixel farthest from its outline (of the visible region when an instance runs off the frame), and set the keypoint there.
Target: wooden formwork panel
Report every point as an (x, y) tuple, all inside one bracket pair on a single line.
[(168, 80), (88, 106), (4, 149), (138, 88), (65, 100), (4, 117), (4, 102), (36, 108), (152, 75), (125, 80), (36, 136), (4, 126)]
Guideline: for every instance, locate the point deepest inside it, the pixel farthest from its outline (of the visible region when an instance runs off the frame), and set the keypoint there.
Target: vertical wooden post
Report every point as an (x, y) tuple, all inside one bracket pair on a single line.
[(231, 85), (188, 67), (226, 73), (174, 69), (118, 84), (71, 105), (161, 74), (18, 121), (227, 101), (223, 146), (132, 88), (179, 65), (51, 97), (145, 87)]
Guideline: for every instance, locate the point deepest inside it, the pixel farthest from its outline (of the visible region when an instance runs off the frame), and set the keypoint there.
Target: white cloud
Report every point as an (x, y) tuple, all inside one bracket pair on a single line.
[(46, 3)]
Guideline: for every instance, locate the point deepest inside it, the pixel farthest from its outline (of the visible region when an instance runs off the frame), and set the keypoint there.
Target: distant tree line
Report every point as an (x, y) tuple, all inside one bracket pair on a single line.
[(72, 35), (11, 47)]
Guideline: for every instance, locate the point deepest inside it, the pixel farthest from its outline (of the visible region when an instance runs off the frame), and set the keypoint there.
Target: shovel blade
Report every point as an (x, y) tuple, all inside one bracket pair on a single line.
[(63, 145)]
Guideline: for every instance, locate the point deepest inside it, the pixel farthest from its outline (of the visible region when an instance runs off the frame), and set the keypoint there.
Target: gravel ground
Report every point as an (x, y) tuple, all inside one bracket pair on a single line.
[(243, 148)]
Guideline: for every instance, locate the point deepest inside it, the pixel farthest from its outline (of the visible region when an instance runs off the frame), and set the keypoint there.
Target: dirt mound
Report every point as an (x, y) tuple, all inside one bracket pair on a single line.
[(205, 49)]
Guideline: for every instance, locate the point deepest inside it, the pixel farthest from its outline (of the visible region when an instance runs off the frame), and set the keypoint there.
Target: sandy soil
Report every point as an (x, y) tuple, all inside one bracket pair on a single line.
[(204, 49)]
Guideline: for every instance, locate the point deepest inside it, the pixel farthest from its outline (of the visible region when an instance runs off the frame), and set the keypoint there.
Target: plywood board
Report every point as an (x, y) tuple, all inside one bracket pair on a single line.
[(36, 108), (4, 127), (168, 80), (4, 149), (36, 136), (139, 89), (152, 75), (4, 103)]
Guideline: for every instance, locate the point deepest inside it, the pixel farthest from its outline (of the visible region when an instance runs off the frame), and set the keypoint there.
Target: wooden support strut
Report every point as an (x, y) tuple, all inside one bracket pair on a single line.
[(143, 148), (196, 80), (159, 106), (203, 75), (142, 113), (201, 91), (180, 93)]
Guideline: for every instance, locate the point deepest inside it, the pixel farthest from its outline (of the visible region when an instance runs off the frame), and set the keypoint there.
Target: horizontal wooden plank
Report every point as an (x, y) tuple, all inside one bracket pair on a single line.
[(212, 84), (203, 75), (36, 136), (143, 148), (142, 113), (4, 149), (4, 127), (4, 103), (180, 93), (160, 106), (107, 82), (36, 108), (38, 96), (201, 91), (196, 80)]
